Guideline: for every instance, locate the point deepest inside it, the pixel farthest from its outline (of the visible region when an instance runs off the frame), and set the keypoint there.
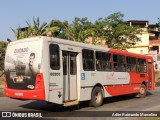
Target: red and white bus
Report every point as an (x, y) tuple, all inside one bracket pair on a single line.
[(156, 59), (67, 72)]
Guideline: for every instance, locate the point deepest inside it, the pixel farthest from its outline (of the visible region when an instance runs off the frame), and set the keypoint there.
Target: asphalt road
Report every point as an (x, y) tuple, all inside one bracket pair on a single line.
[(121, 103)]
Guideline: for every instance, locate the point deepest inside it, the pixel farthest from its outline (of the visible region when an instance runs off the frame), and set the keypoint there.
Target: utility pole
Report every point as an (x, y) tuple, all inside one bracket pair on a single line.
[(158, 24)]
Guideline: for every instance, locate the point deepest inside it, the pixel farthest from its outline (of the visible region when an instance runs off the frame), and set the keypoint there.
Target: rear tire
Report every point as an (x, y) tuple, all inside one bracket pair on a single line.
[(143, 91), (96, 97)]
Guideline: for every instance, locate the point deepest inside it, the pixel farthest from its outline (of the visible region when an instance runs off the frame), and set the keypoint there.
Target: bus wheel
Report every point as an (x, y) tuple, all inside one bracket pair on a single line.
[(96, 97), (143, 91)]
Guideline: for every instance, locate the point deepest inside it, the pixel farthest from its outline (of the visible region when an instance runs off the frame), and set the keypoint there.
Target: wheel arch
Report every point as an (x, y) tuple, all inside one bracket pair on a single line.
[(144, 83), (98, 85), (94, 98)]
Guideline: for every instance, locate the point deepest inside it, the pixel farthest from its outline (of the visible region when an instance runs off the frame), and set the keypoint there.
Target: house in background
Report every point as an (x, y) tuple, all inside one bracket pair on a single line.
[(141, 47), (154, 43)]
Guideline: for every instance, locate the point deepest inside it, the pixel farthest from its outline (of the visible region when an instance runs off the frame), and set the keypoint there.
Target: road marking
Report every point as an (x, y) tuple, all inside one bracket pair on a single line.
[(152, 108)]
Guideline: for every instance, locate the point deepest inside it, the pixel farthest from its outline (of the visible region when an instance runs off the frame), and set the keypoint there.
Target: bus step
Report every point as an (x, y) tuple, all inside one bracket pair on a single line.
[(76, 102)]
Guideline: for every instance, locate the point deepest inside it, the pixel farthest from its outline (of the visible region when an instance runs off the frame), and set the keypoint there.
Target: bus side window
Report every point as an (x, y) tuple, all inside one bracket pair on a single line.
[(54, 57), (103, 62), (65, 61), (119, 64), (88, 60), (141, 65), (131, 64)]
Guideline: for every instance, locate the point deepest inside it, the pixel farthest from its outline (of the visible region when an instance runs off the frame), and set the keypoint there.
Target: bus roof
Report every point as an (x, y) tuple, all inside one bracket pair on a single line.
[(78, 44), (61, 41), (122, 52), (30, 39)]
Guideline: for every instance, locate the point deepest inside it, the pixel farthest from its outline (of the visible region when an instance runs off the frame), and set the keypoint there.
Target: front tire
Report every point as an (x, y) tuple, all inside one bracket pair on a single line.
[(96, 97)]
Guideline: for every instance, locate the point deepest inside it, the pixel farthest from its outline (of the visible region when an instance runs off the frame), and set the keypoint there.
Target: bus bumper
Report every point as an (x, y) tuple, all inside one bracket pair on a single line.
[(25, 94)]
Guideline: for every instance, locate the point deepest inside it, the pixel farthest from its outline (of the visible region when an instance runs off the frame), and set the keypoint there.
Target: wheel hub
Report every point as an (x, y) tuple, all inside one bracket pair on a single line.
[(142, 91), (98, 97)]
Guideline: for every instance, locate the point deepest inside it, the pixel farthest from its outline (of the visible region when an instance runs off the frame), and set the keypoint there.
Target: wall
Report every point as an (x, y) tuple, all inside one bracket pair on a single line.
[(139, 50), (141, 47), (144, 40)]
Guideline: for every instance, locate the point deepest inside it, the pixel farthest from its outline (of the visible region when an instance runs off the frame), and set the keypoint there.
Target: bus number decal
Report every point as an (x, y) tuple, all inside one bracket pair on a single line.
[(82, 76), (54, 74)]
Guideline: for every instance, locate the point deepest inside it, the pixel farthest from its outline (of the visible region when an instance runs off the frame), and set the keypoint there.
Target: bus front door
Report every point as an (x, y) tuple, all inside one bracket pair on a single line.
[(69, 76), (150, 76)]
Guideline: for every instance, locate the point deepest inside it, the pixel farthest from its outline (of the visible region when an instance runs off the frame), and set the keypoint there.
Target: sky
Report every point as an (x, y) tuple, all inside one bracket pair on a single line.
[(15, 13)]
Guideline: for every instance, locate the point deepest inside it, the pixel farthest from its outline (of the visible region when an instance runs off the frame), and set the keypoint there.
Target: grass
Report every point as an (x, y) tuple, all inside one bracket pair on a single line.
[(153, 118)]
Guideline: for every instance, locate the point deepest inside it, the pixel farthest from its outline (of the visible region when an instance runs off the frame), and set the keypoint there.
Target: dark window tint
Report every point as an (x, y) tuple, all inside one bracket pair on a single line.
[(73, 65), (103, 61), (119, 63), (88, 59), (141, 65), (54, 56), (65, 61), (131, 64)]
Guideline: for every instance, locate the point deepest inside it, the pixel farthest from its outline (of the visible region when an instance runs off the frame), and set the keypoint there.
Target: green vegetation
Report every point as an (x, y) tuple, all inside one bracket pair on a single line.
[(117, 33), (152, 118), (158, 84), (112, 29), (34, 30), (1, 86), (3, 46), (1, 92)]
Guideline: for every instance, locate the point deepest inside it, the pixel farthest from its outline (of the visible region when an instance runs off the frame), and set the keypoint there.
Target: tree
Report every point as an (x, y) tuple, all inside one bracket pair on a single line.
[(36, 29), (77, 30), (21, 34), (117, 33), (112, 29), (3, 46), (59, 33)]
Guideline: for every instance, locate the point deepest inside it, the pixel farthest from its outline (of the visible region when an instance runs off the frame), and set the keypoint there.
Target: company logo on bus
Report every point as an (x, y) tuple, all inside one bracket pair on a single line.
[(20, 50), (30, 86)]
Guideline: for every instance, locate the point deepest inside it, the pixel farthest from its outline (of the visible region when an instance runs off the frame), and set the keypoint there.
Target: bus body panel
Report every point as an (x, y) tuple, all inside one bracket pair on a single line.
[(116, 90), (63, 88), (45, 65), (105, 78), (55, 85), (69, 81), (22, 66), (156, 59)]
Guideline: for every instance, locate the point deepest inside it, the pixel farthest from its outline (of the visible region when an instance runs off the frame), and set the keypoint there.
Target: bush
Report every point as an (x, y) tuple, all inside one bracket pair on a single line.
[(158, 84), (3, 46)]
